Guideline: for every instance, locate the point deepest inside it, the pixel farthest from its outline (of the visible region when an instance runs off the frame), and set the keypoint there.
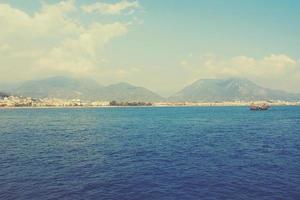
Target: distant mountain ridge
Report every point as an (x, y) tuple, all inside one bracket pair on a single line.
[(203, 90), (85, 89), (231, 89), (126, 92), (58, 87)]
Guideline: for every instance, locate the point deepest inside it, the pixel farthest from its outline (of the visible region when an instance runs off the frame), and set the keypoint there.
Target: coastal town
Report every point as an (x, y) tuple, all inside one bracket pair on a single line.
[(19, 101)]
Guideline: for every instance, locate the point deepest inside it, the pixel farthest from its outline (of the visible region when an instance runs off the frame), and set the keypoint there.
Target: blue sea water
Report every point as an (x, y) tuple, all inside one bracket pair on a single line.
[(150, 153)]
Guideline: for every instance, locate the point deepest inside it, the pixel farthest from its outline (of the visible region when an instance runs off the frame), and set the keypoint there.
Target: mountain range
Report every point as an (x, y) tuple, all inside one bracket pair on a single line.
[(203, 90), (85, 89)]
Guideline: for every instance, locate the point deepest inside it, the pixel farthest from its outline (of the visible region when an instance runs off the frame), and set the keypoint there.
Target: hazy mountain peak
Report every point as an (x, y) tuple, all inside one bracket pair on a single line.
[(229, 89), (126, 92)]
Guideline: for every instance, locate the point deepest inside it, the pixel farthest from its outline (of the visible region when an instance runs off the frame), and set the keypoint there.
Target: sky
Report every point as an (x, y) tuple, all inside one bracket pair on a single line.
[(162, 45)]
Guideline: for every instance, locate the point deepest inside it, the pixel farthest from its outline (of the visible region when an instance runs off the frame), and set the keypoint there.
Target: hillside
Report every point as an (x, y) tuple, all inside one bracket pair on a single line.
[(85, 89), (229, 90)]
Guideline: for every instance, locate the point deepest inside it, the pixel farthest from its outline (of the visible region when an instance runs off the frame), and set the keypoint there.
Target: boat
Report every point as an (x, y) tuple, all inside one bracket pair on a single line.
[(259, 107)]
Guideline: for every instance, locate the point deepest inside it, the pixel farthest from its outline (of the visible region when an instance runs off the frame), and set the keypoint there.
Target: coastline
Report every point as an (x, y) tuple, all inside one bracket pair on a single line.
[(29, 102), (152, 106)]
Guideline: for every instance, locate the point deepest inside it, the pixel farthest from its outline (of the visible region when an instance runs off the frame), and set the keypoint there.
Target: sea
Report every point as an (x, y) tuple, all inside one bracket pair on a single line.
[(150, 153)]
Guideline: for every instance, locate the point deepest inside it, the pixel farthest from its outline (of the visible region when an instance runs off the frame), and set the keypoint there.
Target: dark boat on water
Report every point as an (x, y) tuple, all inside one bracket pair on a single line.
[(259, 107)]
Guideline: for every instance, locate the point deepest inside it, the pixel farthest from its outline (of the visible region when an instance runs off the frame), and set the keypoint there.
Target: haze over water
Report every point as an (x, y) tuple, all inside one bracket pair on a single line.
[(150, 153)]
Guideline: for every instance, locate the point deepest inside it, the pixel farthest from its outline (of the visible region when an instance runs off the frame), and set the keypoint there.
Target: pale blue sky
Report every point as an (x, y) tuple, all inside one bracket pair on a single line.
[(170, 41), (228, 27)]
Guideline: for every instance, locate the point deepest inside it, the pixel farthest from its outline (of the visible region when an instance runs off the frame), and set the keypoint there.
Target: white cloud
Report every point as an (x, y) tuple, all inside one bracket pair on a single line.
[(276, 71), (112, 9), (50, 41), (80, 55)]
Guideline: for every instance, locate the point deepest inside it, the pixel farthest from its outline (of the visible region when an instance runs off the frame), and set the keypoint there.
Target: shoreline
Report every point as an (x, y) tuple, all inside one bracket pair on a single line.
[(153, 106)]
